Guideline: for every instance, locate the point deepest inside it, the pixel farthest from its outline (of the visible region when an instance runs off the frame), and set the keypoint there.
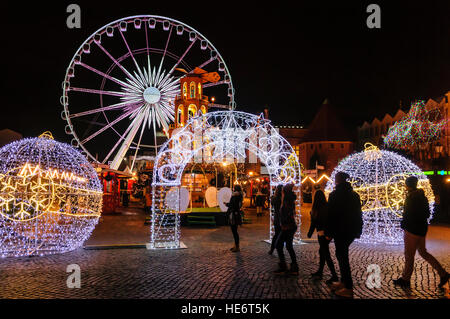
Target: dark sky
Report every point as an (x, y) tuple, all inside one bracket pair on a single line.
[(287, 56)]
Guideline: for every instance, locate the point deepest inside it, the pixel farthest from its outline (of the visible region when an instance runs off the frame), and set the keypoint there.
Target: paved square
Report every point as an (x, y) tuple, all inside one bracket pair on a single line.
[(207, 269)]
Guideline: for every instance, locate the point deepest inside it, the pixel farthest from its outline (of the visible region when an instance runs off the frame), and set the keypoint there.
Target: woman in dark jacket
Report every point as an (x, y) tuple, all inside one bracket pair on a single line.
[(276, 204), (288, 229), (234, 215), (319, 220)]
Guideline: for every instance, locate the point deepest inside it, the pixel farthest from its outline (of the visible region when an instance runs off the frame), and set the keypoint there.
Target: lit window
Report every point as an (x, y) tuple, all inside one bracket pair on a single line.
[(184, 89), (180, 113), (192, 90), (192, 110), (199, 90)]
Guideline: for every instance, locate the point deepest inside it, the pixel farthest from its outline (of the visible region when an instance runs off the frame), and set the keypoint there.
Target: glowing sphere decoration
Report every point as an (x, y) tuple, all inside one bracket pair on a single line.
[(50, 197), (378, 176)]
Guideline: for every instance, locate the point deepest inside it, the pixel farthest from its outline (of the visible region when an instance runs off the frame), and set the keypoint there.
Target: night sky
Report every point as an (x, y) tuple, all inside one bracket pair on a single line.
[(284, 56)]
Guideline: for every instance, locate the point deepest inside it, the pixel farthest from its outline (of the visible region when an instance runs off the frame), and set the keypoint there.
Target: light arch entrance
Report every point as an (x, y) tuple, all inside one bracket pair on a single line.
[(230, 136)]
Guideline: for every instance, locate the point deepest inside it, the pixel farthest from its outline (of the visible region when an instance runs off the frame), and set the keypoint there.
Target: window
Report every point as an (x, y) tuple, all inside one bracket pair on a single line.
[(203, 109), (320, 146), (332, 145), (192, 110), (184, 89), (342, 145), (192, 90), (180, 114), (312, 146), (199, 90)]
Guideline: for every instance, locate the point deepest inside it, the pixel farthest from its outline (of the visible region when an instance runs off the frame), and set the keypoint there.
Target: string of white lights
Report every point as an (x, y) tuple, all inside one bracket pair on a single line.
[(378, 176), (223, 136), (50, 197)]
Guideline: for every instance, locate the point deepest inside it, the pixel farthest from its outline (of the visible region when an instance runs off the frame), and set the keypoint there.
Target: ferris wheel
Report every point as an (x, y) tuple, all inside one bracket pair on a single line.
[(121, 84)]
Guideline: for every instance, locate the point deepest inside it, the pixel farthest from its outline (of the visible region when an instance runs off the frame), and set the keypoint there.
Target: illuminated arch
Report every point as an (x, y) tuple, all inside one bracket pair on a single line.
[(203, 109), (199, 90), (222, 135)]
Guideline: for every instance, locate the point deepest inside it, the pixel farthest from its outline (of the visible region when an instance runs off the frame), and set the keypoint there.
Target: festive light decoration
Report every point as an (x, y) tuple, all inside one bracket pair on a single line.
[(218, 137), (378, 176), (309, 178), (50, 197), (417, 129)]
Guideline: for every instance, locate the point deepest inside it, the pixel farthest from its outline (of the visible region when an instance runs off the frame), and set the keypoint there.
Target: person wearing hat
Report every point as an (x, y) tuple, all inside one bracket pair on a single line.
[(344, 226), (416, 212)]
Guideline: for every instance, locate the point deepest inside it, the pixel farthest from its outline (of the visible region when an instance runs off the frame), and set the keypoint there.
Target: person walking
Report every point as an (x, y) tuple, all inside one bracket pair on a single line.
[(234, 215), (288, 228), (276, 204), (259, 203), (319, 219), (415, 226), (344, 226)]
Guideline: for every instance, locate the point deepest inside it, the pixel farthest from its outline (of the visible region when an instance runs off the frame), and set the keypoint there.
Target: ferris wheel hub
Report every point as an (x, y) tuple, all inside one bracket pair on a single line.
[(152, 95)]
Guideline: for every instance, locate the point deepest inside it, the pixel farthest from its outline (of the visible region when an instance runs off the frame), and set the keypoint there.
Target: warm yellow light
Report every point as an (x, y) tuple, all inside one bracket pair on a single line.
[(448, 180), (250, 173), (213, 99), (42, 191)]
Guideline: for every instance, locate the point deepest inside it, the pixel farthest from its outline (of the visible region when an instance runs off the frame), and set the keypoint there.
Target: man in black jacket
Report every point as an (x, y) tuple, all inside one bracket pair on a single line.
[(415, 225), (345, 224)]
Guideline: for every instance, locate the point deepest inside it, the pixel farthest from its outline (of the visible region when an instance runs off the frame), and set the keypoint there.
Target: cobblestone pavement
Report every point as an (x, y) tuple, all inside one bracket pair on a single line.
[(207, 269)]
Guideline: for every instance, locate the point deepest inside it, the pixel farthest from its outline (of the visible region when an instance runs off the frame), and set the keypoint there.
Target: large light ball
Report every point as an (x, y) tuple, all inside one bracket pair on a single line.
[(378, 176), (50, 197)]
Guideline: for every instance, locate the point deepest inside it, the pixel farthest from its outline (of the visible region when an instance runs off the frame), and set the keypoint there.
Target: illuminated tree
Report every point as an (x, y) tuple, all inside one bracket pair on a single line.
[(417, 131)]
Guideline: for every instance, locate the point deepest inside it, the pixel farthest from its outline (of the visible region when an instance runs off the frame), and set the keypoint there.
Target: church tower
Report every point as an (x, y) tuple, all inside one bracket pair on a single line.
[(191, 101)]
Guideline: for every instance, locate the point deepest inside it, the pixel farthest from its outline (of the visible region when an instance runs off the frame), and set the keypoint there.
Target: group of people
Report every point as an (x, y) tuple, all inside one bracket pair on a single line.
[(340, 219)]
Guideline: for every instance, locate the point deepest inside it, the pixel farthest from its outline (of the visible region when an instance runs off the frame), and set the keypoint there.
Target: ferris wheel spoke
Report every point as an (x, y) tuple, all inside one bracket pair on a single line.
[(206, 62), (131, 53), (139, 142), (207, 85), (122, 137), (109, 77), (128, 74), (182, 57), (120, 118), (137, 121), (165, 51), (93, 91), (105, 108)]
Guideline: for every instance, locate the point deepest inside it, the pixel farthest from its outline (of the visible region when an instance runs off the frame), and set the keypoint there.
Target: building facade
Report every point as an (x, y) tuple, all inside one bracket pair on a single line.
[(322, 144)]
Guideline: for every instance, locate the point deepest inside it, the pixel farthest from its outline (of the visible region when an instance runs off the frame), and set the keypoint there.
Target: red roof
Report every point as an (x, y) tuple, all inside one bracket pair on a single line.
[(326, 126)]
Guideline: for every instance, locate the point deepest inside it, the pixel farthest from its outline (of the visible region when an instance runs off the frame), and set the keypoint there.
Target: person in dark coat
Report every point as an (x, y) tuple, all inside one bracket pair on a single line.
[(415, 225), (276, 204), (234, 215), (319, 222), (288, 227), (344, 226)]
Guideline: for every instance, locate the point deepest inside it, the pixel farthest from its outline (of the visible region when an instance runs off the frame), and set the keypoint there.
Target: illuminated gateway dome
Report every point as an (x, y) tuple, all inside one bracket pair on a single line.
[(50, 197), (378, 177)]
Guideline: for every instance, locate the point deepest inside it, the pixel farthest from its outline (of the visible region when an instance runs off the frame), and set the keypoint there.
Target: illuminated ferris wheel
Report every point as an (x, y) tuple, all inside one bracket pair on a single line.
[(121, 84)]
